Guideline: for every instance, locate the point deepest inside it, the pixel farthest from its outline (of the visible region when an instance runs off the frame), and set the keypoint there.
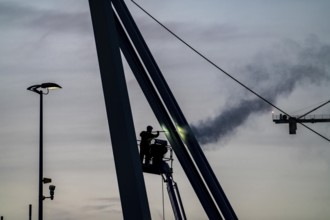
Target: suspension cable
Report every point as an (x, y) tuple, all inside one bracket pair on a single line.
[(307, 107)]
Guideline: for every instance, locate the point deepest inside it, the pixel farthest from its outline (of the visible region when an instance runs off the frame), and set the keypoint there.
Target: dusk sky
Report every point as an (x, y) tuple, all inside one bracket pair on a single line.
[(280, 49)]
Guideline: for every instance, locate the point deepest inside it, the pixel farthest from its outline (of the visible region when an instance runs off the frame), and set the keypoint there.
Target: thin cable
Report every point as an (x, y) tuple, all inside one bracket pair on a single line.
[(313, 109), (223, 71), (307, 107)]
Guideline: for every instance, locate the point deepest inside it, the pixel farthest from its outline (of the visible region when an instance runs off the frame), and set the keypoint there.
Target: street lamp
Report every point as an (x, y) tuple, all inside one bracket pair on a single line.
[(42, 89)]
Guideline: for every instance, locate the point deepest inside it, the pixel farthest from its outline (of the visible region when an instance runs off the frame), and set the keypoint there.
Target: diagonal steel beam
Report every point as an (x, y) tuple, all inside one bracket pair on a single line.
[(175, 111), (128, 167), (166, 121)]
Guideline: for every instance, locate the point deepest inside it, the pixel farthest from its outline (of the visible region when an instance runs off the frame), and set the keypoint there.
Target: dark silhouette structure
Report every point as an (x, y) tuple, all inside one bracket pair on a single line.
[(115, 30), (30, 211), (146, 138), (51, 193), (160, 166), (305, 118), (42, 89), (157, 152)]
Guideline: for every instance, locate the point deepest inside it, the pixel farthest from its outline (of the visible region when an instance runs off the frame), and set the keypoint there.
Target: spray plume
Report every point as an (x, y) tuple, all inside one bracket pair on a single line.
[(276, 74)]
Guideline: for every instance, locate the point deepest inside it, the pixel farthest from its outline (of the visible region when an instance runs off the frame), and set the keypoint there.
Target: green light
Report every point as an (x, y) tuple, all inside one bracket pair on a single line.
[(181, 132)]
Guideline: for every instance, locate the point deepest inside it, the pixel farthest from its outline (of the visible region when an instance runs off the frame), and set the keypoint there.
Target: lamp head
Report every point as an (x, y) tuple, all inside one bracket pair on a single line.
[(48, 86)]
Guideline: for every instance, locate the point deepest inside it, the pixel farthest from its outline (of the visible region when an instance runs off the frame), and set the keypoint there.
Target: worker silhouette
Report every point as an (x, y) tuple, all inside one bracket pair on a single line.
[(146, 138)]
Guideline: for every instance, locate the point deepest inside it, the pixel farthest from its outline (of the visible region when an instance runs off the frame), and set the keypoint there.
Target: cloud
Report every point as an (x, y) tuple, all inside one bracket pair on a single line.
[(11, 13), (215, 32), (111, 205), (273, 75), (26, 17)]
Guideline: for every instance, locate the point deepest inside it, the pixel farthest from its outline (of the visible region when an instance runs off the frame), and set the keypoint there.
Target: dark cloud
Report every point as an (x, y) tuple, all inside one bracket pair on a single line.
[(24, 16), (11, 13), (78, 22), (273, 77)]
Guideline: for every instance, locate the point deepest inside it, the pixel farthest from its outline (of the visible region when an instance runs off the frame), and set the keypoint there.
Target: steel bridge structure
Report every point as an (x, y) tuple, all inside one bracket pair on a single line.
[(115, 31)]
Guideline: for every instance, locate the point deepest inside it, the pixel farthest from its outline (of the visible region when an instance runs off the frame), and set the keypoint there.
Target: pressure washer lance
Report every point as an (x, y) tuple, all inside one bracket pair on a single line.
[(164, 131)]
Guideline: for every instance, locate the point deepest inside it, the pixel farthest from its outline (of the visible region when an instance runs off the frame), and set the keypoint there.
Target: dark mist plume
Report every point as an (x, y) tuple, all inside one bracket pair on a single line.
[(272, 76)]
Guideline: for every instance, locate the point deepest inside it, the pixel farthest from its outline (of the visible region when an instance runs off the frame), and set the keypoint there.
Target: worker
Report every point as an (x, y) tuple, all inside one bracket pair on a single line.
[(146, 138)]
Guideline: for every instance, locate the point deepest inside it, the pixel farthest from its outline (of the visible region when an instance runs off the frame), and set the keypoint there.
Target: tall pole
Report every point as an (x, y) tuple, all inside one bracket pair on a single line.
[(39, 89), (40, 208), (30, 212)]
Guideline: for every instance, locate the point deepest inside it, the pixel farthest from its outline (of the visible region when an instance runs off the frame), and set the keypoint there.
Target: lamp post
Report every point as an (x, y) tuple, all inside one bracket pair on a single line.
[(42, 89)]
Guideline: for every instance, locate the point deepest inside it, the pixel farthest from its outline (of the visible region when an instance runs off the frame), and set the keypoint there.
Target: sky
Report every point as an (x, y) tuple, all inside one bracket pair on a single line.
[(279, 49)]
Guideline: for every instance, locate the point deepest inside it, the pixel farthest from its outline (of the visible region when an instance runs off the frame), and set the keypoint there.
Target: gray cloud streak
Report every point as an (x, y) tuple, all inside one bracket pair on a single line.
[(276, 78), (112, 205), (26, 17)]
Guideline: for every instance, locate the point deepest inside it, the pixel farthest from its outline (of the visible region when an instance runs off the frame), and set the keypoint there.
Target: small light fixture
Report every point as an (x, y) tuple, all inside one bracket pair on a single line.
[(46, 180), (48, 86), (51, 191)]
